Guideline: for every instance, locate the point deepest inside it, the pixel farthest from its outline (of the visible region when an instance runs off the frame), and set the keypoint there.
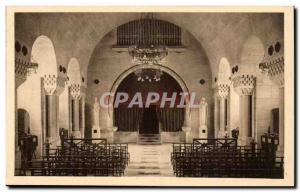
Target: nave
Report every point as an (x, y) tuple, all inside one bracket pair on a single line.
[(209, 89), (201, 158)]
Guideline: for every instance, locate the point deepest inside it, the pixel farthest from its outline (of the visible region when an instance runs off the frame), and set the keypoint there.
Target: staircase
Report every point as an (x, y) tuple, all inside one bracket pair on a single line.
[(149, 139)]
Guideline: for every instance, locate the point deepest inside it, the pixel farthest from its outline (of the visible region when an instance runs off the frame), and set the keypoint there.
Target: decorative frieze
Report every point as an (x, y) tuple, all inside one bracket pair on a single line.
[(244, 84)]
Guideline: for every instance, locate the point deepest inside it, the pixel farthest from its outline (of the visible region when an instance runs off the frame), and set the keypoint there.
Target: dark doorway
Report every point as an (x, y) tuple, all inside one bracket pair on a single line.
[(134, 119), (23, 123), (150, 123), (275, 120)]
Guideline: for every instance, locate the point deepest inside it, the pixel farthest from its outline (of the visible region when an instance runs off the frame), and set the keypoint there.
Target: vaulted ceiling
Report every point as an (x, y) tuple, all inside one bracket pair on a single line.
[(77, 34)]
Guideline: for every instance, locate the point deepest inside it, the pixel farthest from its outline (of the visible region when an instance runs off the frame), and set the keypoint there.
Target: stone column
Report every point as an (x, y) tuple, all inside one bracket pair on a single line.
[(244, 85), (275, 70), (82, 115), (187, 124), (53, 86), (216, 113), (96, 131), (203, 113), (223, 91), (280, 150), (76, 96), (82, 129), (21, 67)]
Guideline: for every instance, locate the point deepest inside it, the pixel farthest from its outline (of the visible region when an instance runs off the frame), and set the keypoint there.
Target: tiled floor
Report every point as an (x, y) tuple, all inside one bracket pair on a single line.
[(149, 160)]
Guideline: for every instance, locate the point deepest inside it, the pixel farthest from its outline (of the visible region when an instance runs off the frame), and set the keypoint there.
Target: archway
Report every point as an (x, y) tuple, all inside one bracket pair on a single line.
[(122, 76), (32, 95), (166, 126), (222, 111), (75, 99), (151, 118)]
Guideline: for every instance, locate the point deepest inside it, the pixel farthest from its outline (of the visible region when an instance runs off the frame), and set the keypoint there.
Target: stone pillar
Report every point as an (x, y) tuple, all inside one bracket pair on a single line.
[(280, 150), (52, 114), (222, 118), (96, 131), (216, 114), (244, 119), (275, 71), (82, 106), (244, 85), (187, 124), (82, 129), (21, 67), (76, 96), (76, 126), (203, 113), (53, 87), (222, 93)]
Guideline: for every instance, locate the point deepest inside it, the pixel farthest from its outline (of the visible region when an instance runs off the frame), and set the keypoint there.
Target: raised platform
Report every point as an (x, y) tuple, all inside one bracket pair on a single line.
[(132, 137), (149, 139)]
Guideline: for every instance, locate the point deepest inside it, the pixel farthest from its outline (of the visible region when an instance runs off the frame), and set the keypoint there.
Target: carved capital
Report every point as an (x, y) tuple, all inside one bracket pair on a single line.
[(21, 67), (244, 84), (222, 90), (53, 85), (273, 63), (276, 70), (75, 91)]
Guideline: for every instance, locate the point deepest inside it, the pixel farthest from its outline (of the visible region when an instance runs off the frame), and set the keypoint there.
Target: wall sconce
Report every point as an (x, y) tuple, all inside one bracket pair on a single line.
[(263, 67), (32, 68)]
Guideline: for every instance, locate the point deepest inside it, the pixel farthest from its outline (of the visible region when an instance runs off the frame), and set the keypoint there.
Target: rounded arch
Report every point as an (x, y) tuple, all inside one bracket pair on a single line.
[(224, 71), (127, 72), (147, 66), (74, 72), (251, 55), (43, 53)]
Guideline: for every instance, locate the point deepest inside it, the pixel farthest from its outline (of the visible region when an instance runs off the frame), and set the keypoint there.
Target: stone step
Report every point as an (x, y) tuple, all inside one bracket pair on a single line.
[(149, 139)]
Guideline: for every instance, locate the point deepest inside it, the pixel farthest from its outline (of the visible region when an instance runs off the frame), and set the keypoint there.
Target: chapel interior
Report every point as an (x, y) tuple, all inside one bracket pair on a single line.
[(232, 62)]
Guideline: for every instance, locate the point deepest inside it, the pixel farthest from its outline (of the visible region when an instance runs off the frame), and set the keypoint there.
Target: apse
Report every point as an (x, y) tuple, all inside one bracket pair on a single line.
[(160, 119)]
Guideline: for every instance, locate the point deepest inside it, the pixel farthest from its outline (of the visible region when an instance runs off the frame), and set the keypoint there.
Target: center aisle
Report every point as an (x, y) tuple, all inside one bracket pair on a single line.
[(149, 160)]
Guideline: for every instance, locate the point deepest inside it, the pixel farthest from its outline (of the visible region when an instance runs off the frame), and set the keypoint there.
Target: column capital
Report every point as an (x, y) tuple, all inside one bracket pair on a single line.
[(222, 90), (244, 84), (77, 91), (276, 70), (21, 67), (273, 63), (53, 84)]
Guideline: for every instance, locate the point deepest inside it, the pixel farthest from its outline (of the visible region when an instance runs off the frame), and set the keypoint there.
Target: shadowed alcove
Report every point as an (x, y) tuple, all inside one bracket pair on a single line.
[(154, 118)]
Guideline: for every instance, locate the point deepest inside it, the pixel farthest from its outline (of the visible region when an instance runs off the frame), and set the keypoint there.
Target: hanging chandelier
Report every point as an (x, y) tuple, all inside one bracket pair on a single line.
[(148, 75), (143, 54), (147, 52)]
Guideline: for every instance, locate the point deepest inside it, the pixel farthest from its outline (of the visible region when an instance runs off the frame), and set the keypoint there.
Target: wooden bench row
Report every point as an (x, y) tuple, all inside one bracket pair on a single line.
[(80, 157), (208, 160)]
